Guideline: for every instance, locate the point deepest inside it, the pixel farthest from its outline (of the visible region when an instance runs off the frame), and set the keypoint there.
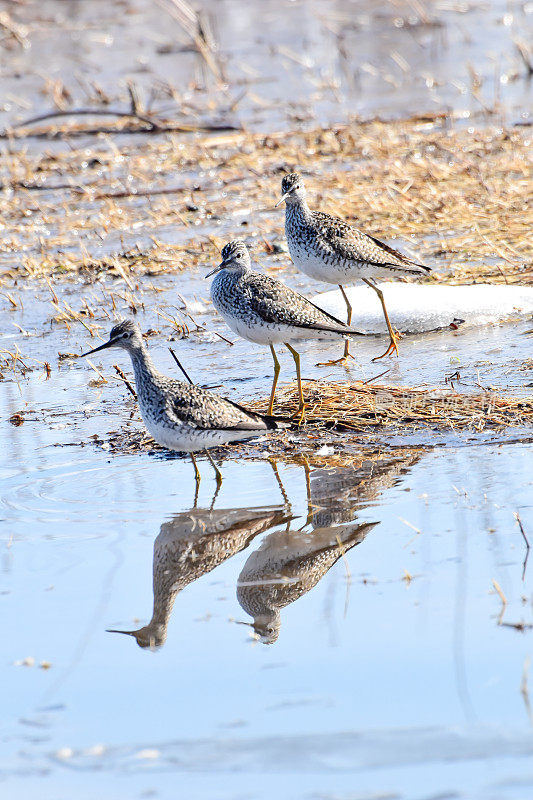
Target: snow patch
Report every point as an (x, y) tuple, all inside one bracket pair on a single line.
[(415, 308)]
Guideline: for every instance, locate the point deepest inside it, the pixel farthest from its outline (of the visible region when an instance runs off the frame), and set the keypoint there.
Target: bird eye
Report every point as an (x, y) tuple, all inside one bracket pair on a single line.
[(126, 335)]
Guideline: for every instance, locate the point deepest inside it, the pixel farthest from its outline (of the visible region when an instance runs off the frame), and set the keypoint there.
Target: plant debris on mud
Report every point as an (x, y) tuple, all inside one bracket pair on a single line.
[(460, 196)]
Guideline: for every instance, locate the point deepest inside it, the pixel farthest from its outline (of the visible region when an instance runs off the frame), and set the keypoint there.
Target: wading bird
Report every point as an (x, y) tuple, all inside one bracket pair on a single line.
[(328, 249)]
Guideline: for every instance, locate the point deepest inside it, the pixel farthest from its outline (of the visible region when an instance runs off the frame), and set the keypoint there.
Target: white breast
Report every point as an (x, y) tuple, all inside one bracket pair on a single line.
[(186, 438), (313, 265)]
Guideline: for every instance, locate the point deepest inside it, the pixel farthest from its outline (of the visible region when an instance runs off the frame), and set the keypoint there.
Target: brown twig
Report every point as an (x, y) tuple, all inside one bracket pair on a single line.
[(90, 112), (503, 598), (123, 377), (176, 359), (522, 531)]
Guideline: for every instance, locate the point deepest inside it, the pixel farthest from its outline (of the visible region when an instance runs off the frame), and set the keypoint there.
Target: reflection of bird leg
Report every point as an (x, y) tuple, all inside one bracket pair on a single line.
[(197, 478), (279, 482), (218, 478), (301, 404), (307, 473), (217, 490), (347, 353), (277, 370), (394, 335)]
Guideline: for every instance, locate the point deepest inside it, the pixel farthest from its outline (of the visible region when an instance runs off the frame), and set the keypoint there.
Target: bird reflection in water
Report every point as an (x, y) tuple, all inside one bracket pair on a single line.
[(287, 564), (192, 544), (290, 562)]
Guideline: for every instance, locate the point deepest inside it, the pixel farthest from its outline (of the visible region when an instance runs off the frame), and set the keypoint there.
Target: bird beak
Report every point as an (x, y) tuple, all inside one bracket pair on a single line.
[(282, 199), (217, 269), (127, 633), (96, 349)]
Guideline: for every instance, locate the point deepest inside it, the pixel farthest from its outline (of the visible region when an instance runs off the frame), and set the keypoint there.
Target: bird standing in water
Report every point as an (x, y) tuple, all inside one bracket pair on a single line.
[(179, 415), (263, 310), (328, 249)]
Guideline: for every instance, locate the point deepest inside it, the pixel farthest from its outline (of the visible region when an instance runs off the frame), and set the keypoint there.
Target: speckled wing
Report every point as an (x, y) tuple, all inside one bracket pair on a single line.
[(207, 411), (350, 243), (275, 303)]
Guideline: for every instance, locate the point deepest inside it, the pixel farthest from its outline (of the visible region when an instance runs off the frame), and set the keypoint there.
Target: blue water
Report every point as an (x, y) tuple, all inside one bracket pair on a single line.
[(396, 671), (397, 647)]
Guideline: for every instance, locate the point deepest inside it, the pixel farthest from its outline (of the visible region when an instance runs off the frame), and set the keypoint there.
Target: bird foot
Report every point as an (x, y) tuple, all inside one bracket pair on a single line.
[(334, 361), (392, 348), (299, 415)]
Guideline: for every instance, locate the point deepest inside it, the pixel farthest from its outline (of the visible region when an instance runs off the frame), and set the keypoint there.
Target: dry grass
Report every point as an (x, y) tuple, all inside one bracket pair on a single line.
[(361, 406), (346, 411), (461, 197)]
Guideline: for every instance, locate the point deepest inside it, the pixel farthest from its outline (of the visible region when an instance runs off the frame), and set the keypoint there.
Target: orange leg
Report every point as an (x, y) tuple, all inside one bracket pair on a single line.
[(347, 353), (394, 335), (301, 407), (277, 370)]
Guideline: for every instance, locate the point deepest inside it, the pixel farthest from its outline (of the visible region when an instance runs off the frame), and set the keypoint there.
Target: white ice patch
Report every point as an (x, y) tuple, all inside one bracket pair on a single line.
[(414, 308), (194, 306)]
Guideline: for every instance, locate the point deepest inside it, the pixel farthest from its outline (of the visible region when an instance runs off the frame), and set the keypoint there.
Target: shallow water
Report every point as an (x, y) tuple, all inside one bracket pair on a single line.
[(281, 63), (393, 668), (388, 656), (330, 624)]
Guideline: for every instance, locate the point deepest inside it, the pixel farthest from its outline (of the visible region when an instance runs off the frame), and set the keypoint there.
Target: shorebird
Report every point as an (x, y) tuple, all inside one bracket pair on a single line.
[(179, 415), (328, 249), (290, 562), (192, 544), (263, 310), (286, 566)]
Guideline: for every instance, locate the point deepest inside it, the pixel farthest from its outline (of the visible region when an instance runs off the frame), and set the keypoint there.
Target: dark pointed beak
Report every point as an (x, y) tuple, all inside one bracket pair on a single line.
[(127, 633), (96, 349), (217, 269), (284, 197)]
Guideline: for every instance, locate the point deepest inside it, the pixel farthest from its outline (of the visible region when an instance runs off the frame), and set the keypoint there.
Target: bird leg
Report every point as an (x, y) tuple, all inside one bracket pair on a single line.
[(197, 478), (310, 508), (347, 353), (218, 474), (394, 335), (279, 482), (277, 370), (218, 478), (301, 407)]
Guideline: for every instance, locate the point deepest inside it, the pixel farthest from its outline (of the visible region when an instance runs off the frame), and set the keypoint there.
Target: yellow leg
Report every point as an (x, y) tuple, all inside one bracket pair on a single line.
[(279, 482), (348, 322), (277, 370), (197, 478), (347, 353), (218, 474), (394, 335), (301, 407)]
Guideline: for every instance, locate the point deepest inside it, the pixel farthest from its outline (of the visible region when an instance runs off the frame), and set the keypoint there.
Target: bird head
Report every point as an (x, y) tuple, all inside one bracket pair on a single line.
[(235, 258), (292, 189), (125, 334), (267, 626), (151, 636)]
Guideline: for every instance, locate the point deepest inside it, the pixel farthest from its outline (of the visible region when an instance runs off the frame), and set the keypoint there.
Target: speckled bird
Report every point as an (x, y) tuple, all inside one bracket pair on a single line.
[(328, 249), (190, 545), (291, 562), (179, 415), (263, 310), (286, 566)]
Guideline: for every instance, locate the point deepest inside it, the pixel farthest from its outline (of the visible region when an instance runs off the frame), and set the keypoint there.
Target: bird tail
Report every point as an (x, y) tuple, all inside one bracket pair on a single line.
[(352, 332), (416, 269)]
